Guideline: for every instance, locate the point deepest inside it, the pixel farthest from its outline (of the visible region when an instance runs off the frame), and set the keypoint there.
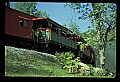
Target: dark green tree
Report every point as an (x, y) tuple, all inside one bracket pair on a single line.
[(30, 8), (103, 19)]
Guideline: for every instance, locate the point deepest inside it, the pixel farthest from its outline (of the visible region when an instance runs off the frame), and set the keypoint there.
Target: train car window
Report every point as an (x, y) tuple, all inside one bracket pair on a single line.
[(63, 33), (23, 22), (68, 36)]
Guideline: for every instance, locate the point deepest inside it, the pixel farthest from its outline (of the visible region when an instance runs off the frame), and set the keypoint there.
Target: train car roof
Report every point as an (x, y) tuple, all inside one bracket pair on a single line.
[(60, 26)]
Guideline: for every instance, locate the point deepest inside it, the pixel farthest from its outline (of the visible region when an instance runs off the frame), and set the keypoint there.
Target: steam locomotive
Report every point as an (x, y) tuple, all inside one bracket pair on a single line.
[(43, 34)]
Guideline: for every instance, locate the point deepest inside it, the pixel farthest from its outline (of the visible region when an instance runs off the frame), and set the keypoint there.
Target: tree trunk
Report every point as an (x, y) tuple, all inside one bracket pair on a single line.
[(101, 48), (101, 39), (102, 57)]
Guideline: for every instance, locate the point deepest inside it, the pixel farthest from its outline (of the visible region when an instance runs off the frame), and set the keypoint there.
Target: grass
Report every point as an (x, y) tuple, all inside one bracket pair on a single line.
[(23, 62), (28, 63)]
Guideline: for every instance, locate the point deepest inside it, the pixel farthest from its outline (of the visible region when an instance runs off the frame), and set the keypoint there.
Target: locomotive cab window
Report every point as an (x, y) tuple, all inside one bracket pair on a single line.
[(23, 22)]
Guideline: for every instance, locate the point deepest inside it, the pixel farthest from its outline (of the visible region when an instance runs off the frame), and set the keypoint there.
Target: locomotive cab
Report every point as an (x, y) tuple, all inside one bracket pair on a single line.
[(39, 31), (42, 34)]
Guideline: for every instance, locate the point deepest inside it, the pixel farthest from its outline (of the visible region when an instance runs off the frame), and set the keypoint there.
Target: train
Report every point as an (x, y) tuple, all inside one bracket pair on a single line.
[(43, 34)]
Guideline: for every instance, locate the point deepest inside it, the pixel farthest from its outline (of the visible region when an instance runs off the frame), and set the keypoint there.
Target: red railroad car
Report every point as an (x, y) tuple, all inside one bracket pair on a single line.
[(18, 23)]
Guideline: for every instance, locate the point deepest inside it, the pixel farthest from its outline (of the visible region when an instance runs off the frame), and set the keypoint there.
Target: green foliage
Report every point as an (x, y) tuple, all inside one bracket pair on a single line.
[(26, 7), (65, 25), (30, 8), (74, 28), (103, 18), (62, 57), (72, 65), (82, 45), (99, 72), (65, 59), (107, 14), (90, 38), (41, 14)]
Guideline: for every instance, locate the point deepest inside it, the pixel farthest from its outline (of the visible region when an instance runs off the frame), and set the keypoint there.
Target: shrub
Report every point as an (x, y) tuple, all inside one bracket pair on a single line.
[(62, 57), (67, 62), (73, 65)]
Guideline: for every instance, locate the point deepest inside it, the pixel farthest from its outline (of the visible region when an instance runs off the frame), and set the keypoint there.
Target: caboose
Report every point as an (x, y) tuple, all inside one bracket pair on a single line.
[(41, 34)]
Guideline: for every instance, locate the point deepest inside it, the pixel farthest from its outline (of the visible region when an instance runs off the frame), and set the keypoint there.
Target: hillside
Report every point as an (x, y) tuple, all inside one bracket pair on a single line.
[(29, 63)]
